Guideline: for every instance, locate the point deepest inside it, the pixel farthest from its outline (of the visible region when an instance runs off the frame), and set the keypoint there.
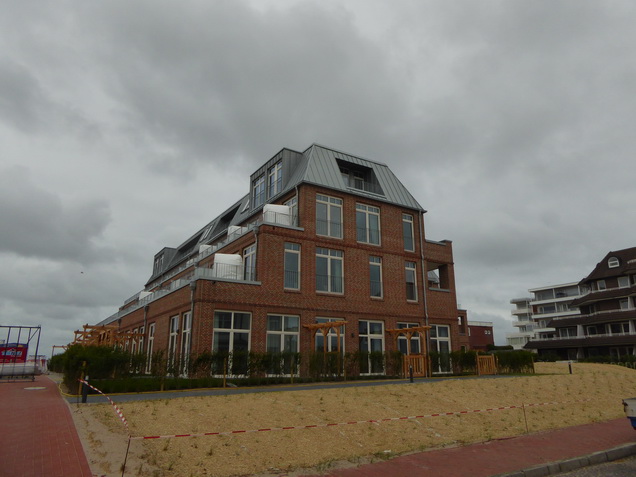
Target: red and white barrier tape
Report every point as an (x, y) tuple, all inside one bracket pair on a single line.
[(117, 410), (316, 426), (369, 421)]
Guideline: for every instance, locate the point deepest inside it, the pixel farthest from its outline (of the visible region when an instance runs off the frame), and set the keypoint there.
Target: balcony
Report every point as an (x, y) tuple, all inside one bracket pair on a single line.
[(611, 339), (521, 311)]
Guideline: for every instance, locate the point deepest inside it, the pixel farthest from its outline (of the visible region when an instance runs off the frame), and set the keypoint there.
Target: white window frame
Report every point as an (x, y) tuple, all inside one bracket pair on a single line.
[(370, 338), (613, 262), (151, 344), (437, 339), (173, 338), (275, 179), (365, 232), (407, 221), (291, 249), (375, 263), (232, 330), (280, 335), (258, 191), (333, 221), (140, 343), (186, 340), (249, 263), (410, 268), (133, 342), (332, 257), (293, 209)]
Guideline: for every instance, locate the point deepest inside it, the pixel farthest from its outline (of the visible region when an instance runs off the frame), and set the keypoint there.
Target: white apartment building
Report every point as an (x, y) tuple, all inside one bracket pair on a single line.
[(533, 315)]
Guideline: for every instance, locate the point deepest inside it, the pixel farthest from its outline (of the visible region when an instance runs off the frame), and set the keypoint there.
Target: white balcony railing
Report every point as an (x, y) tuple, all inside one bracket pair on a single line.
[(606, 335)]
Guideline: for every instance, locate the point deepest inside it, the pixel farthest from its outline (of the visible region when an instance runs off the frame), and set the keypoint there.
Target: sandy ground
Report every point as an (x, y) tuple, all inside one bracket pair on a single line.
[(592, 393)]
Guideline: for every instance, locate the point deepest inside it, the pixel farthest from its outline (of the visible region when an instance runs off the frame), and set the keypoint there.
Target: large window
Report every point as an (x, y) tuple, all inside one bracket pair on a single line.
[(292, 266), (410, 271), (440, 343), (368, 224), (186, 340), (151, 343), (415, 340), (258, 192), (293, 209), (142, 331), (249, 263), (282, 337), (329, 274), (232, 335), (623, 282), (371, 341), (328, 216), (172, 340), (375, 276), (407, 232), (332, 337), (275, 180)]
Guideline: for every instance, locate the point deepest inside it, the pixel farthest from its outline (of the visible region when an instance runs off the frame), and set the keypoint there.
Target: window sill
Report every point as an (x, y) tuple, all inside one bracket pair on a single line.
[(324, 293)]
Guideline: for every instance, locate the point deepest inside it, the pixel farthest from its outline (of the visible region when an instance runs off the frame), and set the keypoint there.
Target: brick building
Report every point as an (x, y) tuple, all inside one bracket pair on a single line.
[(322, 236), (481, 335)]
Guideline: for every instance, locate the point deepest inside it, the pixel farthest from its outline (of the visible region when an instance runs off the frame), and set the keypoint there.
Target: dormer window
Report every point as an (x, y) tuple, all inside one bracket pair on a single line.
[(356, 176), (158, 263), (258, 192), (613, 262), (275, 180)]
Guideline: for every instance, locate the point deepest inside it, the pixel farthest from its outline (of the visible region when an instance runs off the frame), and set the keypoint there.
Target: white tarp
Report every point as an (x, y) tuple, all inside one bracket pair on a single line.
[(277, 214), (227, 266)]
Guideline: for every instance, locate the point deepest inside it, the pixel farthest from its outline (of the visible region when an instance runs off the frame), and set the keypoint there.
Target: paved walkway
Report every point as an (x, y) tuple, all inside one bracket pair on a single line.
[(506, 456), (37, 434)]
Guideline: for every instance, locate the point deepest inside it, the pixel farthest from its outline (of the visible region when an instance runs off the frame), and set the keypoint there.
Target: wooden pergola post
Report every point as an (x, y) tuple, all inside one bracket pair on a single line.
[(408, 334), (325, 328)]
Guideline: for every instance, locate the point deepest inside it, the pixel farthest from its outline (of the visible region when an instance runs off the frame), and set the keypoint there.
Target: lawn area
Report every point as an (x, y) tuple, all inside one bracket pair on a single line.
[(553, 398)]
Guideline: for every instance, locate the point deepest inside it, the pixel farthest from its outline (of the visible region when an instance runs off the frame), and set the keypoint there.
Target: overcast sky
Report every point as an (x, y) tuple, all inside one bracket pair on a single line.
[(126, 126)]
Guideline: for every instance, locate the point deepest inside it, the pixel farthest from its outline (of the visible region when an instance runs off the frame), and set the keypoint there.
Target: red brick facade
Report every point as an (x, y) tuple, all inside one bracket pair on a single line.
[(436, 303)]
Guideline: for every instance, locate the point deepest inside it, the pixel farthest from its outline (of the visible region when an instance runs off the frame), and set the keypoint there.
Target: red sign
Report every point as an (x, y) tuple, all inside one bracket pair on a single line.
[(13, 353)]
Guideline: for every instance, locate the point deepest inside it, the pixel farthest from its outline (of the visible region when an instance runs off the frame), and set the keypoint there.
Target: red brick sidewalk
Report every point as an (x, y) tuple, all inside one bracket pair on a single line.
[(37, 434), (503, 456)]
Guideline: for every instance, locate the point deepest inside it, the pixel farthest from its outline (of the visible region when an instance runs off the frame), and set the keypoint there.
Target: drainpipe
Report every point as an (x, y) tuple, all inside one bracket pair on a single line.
[(146, 308), (424, 273), (429, 371), (193, 287)]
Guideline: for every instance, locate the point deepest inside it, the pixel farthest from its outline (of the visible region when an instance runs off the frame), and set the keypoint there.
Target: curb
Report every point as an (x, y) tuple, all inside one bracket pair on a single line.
[(567, 465)]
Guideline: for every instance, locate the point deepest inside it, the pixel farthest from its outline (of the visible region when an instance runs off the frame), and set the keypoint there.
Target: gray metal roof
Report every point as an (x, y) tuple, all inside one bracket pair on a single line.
[(316, 165), (321, 168)]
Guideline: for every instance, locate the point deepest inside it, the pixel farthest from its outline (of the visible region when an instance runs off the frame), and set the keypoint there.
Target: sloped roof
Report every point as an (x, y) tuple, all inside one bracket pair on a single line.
[(317, 165), (626, 264), (321, 168)]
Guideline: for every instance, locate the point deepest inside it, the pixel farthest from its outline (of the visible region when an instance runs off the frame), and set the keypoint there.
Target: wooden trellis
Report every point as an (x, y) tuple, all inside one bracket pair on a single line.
[(418, 362), (106, 335), (324, 328)]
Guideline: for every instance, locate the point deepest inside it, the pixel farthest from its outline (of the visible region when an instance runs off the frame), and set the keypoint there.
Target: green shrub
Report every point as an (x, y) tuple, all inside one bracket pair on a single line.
[(515, 362)]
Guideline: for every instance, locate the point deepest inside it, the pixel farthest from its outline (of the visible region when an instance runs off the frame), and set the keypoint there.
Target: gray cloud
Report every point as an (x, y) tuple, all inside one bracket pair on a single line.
[(36, 223), (511, 122)]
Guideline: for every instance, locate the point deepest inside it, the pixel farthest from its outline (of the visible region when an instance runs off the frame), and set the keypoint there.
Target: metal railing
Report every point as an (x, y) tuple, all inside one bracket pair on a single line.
[(605, 335)]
